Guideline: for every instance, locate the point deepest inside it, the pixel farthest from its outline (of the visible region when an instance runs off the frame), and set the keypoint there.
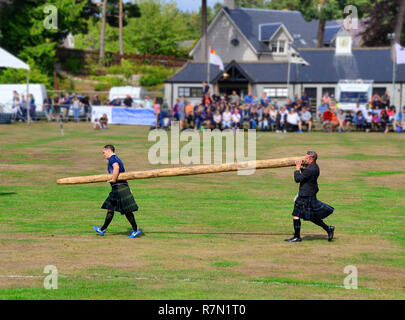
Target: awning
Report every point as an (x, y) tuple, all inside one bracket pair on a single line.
[(7, 60)]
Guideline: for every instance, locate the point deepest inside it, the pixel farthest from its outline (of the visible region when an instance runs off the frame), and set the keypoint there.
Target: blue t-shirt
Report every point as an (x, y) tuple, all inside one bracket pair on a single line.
[(114, 159)]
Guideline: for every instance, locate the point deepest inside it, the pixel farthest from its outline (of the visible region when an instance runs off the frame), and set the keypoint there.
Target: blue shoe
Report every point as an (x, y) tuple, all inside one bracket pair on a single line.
[(135, 233), (98, 230), (309, 130), (299, 131)]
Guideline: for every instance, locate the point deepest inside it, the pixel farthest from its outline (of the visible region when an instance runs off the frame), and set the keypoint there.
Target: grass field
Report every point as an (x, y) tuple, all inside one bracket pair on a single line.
[(204, 237)]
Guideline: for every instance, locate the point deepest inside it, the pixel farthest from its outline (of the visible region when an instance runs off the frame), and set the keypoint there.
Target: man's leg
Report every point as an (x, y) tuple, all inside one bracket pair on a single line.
[(131, 218), (297, 230), (329, 229), (108, 219)]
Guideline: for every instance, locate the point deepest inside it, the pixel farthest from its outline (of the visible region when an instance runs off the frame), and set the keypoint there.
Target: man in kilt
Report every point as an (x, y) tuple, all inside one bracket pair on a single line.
[(307, 206), (120, 198)]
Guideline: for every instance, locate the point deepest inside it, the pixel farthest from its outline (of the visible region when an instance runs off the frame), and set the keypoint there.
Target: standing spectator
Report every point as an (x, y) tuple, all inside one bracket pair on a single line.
[(234, 97), (164, 114), (76, 108), (181, 112), (206, 88), (47, 108), (399, 121), (358, 108), (189, 114), (23, 106), (248, 98), (305, 99), (32, 108), (56, 107), (306, 118), (385, 100), (16, 110), (128, 101), (376, 101), (96, 101), (65, 104), (86, 104), (272, 118), (148, 102), (156, 108), (326, 98)]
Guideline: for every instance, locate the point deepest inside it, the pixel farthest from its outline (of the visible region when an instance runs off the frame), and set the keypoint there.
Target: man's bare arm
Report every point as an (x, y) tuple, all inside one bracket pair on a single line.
[(116, 172)]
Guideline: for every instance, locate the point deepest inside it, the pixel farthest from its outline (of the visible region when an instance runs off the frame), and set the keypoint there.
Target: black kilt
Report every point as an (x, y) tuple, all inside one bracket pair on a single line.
[(120, 199), (308, 208)]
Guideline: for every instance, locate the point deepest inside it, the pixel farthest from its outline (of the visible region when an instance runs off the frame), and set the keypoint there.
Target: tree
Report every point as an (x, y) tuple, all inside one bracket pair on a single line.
[(384, 17), (102, 31), (24, 33)]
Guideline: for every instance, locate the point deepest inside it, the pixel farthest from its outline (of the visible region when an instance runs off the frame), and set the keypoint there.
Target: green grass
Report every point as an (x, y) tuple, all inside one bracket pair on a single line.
[(217, 236)]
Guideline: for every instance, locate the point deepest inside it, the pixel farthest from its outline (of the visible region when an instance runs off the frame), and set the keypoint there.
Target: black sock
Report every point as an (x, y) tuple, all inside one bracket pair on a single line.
[(320, 223), (131, 219), (108, 219), (297, 227)]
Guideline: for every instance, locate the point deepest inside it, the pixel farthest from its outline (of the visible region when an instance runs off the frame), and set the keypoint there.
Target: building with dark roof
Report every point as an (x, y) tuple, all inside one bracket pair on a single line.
[(274, 51)]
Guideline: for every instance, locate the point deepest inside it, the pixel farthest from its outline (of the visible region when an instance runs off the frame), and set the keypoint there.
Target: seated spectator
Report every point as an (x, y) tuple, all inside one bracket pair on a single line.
[(104, 121), (281, 120), (334, 122), (306, 118), (293, 121), (360, 122), (234, 97), (341, 119), (369, 121), (376, 121), (226, 119), (254, 118), (384, 121), (348, 120), (399, 121), (245, 117), (272, 118), (326, 98), (96, 124), (236, 119), (264, 118), (326, 120), (217, 120), (321, 109), (115, 102)]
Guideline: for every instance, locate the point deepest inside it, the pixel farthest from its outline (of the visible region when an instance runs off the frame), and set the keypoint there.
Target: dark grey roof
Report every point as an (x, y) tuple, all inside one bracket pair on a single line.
[(248, 21), (267, 31), (330, 32), (325, 67)]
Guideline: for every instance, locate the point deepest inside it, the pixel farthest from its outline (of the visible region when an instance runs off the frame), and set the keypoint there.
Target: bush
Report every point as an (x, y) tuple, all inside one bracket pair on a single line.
[(102, 86), (73, 65)]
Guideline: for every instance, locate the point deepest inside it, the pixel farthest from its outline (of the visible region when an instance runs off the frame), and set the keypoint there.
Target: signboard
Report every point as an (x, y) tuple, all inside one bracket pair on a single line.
[(119, 115)]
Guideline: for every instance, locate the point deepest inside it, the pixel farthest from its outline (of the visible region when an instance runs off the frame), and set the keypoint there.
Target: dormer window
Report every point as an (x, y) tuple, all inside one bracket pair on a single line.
[(278, 46)]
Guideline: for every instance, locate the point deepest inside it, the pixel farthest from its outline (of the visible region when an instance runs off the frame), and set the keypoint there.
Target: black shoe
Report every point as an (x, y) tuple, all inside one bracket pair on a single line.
[(293, 239), (331, 232)]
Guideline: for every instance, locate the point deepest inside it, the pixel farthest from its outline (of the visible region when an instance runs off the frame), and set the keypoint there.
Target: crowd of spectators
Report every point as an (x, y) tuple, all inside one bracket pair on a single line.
[(266, 114)]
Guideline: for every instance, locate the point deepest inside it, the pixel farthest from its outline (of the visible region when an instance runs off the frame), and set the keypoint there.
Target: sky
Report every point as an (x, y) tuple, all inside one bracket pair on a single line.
[(193, 5)]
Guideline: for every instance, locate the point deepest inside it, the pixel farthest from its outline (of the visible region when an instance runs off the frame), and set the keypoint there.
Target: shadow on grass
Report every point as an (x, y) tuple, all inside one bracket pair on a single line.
[(315, 237), (7, 193), (204, 233)]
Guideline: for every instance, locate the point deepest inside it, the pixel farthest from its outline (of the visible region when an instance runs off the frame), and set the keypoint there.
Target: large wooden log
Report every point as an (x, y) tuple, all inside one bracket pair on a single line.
[(185, 171)]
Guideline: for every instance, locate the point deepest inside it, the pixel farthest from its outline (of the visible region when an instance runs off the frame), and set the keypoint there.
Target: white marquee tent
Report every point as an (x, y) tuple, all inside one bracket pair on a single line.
[(7, 60)]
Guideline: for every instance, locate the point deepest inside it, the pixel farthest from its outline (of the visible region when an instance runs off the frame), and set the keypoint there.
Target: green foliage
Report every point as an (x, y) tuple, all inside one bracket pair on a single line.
[(20, 76), (73, 65), (102, 86)]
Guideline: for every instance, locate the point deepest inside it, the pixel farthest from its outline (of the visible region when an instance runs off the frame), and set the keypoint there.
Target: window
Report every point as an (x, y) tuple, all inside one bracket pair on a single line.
[(379, 90), (190, 92), (276, 92), (278, 46), (330, 90)]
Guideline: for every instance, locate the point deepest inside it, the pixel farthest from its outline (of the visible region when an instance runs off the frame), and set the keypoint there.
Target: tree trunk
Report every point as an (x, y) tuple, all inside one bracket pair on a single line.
[(321, 31), (121, 18), (400, 21), (204, 37), (102, 31), (187, 171)]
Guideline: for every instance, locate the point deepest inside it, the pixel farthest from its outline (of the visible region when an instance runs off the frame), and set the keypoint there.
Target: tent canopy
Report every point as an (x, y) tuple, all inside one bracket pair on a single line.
[(7, 60)]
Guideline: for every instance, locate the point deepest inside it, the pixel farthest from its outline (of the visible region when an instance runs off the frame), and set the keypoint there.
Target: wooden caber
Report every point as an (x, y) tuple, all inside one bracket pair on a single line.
[(185, 171)]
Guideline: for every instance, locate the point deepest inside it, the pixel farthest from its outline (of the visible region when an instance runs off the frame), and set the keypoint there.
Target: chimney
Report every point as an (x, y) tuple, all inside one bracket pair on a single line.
[(230, 4)]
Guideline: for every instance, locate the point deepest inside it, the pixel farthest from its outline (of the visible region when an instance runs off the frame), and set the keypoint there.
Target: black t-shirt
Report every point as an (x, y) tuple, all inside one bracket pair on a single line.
[(128, 102)]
